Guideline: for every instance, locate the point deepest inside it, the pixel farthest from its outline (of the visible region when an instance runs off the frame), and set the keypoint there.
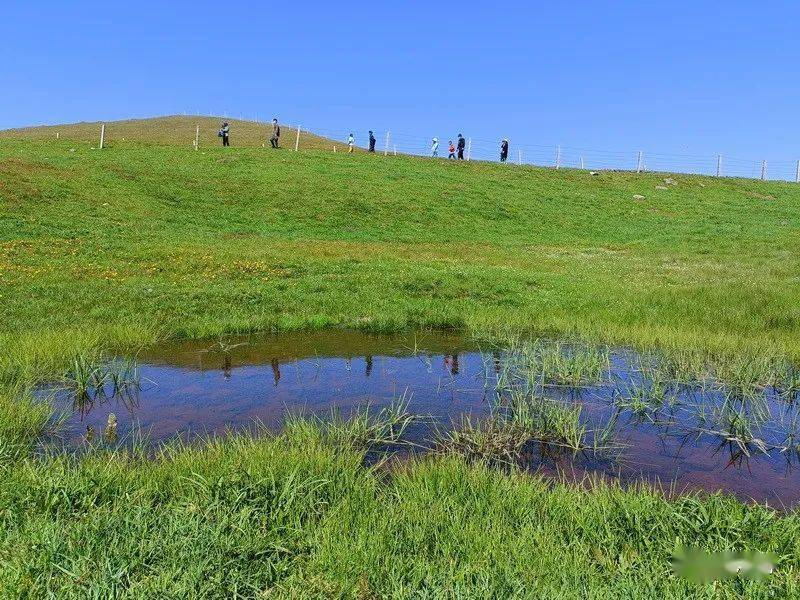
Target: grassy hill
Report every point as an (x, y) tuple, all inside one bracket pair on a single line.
[(147, 239), (164, 239), (173, 130)]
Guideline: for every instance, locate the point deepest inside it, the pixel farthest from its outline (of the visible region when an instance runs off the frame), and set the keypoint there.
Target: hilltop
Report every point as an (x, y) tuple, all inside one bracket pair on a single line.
[(178, 130)]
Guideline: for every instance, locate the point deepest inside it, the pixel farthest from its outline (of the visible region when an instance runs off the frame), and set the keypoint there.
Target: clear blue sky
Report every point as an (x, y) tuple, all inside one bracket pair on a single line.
[(696, 78)]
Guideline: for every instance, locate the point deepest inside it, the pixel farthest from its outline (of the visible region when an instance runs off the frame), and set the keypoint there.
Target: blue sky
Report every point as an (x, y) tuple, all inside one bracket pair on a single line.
[(689, 78)]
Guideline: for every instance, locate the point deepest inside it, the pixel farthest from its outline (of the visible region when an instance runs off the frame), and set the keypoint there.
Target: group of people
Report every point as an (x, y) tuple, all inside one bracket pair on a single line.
[(274, 139), (454, 151)]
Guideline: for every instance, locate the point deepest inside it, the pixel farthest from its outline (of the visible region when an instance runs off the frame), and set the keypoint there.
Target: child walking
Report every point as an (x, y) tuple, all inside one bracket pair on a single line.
[(435, 148), (350, 141)]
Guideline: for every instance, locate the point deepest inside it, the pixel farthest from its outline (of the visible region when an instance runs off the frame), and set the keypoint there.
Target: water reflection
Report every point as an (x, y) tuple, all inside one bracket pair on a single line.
[(198, 387)]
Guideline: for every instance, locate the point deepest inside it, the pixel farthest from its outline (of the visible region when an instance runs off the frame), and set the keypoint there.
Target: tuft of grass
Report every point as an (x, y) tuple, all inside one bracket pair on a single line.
[(492, 440), (365, 429), (541, 362)]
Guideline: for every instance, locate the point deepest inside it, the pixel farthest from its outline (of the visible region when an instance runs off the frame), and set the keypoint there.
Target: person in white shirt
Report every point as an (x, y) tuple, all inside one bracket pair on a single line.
[(350, 141), (435, 148)]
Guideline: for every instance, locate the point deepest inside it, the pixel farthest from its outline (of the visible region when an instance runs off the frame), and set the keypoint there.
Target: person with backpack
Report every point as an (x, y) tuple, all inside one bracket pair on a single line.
[(276, 134), (462, 143), (435, 148), (452, 151), (351, 140), (371, 141), (225, 134), (504, 150)]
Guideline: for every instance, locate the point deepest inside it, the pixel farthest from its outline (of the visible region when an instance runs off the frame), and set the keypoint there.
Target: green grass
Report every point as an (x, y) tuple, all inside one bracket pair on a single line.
[(104, 251), (300, 517), (143, 241), (170, 130)]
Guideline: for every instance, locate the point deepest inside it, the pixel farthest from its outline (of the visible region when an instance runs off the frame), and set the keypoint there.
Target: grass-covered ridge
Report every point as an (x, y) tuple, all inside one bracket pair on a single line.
[(138, 241)]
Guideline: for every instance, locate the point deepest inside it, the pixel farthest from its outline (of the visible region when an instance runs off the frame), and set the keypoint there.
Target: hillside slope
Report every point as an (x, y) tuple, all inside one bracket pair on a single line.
[(124, 243), (173, 130)]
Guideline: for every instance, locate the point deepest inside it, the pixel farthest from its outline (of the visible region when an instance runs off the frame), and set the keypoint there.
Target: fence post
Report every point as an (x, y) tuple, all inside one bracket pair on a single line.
[(102, 135), (558, 157), (797, 173), (197, 137), (763, 170), (395, 149), (469, 148), (639, 162), (719, 165), (297, 139), (581, 162), (56, 135), (386, 148)]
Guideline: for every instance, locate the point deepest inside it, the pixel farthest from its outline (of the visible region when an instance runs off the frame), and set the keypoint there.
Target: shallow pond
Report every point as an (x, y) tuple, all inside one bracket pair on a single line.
[(206, 387)]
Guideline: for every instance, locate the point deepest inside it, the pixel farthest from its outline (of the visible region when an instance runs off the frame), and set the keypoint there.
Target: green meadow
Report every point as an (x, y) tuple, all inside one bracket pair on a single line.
[(109, 250)]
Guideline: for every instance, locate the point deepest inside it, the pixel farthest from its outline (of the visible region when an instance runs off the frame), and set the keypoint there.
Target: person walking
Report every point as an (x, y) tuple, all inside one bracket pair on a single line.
[(504, 150), (350, 141), (435, 148), (462, 143), (452, 151), (225, 134), (276, 134), (371, 141)]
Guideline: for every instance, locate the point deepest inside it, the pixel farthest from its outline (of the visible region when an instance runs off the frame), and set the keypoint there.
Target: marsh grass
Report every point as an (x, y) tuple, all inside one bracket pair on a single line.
[(541, 362), (682, 393), (364, 429), (300, 515), (493, 440), (92, 379)]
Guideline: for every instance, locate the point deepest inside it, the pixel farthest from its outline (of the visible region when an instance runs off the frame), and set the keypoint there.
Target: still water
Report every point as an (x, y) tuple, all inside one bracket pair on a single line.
[(192, 388)]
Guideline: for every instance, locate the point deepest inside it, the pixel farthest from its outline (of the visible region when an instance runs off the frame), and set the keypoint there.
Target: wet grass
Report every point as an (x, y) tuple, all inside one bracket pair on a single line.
[(97, 379), (299, 516)]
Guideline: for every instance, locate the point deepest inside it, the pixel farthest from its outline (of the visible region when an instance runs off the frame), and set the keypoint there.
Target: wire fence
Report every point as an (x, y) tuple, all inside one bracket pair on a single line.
[(558, 157), (570, 157)]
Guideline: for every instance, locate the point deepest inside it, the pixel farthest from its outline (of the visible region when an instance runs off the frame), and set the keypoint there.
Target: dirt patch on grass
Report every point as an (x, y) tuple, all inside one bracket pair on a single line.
[(758, 196)]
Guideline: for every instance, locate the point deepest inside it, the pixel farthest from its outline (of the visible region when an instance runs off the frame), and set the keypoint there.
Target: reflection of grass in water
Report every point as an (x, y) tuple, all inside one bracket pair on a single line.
[(89, 377)]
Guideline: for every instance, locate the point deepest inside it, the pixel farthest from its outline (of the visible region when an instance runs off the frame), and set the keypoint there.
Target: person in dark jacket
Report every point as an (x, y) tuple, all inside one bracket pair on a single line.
[(276, 133), (371, 142), (225, 134), (503, 150), (460, 145)]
